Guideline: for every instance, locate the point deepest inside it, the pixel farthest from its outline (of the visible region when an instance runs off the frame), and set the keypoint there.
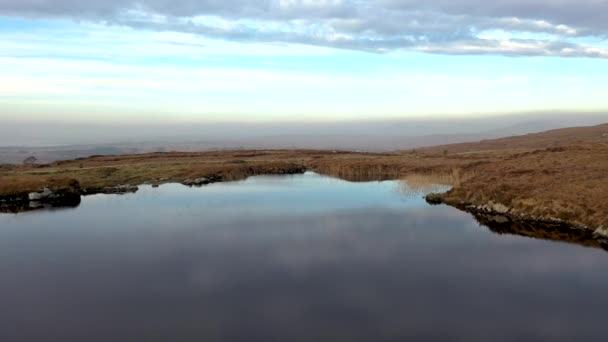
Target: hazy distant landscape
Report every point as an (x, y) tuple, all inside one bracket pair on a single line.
[(57, 142)]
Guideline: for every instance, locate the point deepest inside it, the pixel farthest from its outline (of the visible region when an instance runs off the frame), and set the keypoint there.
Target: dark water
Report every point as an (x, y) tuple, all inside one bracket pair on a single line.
[(299, 258)]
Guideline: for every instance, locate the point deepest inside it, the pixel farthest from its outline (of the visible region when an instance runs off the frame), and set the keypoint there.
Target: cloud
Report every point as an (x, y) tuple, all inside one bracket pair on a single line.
[(587, 15), (532, 27), (514, 48)]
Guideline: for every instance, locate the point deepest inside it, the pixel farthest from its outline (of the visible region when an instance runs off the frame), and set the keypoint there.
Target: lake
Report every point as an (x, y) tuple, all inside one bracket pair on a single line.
[(288, 258)]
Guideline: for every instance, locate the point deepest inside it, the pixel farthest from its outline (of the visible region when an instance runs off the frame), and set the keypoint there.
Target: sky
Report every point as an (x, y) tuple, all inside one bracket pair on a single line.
[(237, 61)]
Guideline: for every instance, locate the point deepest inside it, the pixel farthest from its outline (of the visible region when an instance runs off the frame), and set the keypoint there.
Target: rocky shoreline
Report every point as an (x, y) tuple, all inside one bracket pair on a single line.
[(46, 198), (502, 214), (557, 231), (70, 197)]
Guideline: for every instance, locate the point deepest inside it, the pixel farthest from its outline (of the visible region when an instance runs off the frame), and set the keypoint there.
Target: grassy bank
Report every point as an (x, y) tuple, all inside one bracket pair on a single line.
[(566, 183)]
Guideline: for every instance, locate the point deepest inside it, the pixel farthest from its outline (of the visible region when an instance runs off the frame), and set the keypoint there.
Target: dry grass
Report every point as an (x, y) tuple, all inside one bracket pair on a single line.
[(365, 167), (568, 183), (99, 172), (454, 177), (529, 142), (561, 174), (420, 184)]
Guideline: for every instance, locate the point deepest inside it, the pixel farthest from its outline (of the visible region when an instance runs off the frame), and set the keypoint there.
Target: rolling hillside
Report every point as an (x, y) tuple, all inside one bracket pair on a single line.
[(555, 138)]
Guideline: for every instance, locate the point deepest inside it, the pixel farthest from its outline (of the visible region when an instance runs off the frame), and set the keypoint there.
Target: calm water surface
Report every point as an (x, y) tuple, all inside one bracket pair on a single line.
[(298, 258)]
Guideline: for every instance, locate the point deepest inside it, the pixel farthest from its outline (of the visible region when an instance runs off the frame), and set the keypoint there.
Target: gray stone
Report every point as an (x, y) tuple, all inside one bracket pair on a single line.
[(196, 182), (500, 208), (41, 195), (601, 231), (499, 219), (35, 204)]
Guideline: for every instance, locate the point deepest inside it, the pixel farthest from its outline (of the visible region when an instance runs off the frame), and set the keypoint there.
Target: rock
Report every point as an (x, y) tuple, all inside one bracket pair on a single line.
[(68, 197), (197, 181), (601, 231), (41, 195), (201, 181), (500, 208), (434, 199), (35, 205), (499, 219), (155, 185)]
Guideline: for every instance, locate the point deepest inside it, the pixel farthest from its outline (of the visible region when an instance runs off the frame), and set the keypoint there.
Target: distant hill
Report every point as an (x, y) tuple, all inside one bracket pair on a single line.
[(553, 138)]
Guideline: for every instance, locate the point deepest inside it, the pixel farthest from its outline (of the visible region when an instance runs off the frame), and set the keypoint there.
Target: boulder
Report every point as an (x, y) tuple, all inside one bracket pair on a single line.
[(601, 231), (39, 205), (434, 199), (40, 195), (499, 218), (196, 182), (62, 197), (500, 208)]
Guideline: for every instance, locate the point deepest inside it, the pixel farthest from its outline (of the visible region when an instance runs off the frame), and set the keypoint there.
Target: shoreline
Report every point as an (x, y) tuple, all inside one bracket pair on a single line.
[(496, 217), (71, 196), (501, 214), (531, 178)]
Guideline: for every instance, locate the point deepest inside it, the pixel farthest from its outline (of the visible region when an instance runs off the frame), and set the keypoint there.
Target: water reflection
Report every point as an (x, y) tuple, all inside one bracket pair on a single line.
[(298, 258), (24, 207), (555, 232)]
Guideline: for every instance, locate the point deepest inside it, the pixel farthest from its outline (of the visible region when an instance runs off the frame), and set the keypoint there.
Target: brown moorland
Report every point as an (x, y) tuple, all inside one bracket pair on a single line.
[(559, 175)]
